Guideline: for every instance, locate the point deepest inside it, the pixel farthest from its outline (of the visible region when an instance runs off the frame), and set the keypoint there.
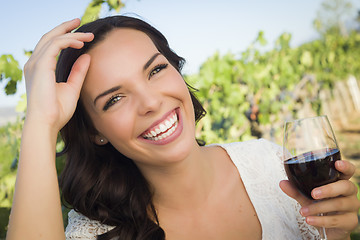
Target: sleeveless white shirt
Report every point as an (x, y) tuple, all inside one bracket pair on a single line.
[(261, 169)]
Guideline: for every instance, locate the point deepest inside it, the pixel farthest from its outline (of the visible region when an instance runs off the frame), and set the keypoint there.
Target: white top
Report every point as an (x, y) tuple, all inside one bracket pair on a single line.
[(261, 170)]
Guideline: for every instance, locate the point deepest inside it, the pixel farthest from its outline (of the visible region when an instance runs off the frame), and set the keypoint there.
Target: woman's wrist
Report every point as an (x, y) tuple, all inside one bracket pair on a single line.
[(38, 132), (41, 126)]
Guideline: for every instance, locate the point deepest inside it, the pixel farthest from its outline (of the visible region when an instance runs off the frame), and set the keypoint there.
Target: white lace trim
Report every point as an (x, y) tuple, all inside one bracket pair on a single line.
[(82, 228)]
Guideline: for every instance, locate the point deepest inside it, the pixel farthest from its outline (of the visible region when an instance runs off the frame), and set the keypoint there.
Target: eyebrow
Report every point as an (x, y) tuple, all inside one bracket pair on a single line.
[(114, 89), (111, 90), (151, 60)]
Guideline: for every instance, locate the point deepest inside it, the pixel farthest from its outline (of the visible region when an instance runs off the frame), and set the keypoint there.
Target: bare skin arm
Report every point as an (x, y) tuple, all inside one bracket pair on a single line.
[(36, 211)]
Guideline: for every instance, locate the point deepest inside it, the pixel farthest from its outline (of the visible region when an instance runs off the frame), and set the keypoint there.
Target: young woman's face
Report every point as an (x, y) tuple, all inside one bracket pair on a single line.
[(137, 100)]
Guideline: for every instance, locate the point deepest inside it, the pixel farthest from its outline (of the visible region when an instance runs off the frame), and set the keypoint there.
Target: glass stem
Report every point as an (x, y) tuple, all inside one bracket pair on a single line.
[(321, 230)]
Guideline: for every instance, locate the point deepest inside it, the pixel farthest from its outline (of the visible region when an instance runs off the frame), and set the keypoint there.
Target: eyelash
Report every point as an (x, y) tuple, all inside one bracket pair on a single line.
[(114, 99), (157, 69)]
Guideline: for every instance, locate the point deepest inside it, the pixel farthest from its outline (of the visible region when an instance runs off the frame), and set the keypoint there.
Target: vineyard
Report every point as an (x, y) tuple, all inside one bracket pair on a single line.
[(251, 95)]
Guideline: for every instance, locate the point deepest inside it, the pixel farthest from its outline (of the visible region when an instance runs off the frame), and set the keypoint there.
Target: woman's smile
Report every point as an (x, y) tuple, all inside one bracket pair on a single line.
[(165, 130)]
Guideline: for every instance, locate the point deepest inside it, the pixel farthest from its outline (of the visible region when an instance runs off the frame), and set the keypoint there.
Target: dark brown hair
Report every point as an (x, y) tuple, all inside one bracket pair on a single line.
[(98, 181)]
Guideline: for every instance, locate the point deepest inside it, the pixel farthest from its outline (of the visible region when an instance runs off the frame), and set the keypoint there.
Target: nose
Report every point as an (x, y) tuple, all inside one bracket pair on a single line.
[(149, 100)]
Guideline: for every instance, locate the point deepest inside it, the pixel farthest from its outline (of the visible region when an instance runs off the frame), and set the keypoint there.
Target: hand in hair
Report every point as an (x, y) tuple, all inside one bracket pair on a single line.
[(49, 102)]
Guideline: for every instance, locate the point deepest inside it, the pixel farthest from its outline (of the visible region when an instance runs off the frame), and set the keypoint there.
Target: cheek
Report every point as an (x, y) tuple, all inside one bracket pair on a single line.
[(178, 86), (115, 127)]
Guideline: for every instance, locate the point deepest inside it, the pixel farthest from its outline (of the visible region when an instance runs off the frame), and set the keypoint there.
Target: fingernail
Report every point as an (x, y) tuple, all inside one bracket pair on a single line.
[(341, 164), (316, 193), (309, 220), (304, 211)]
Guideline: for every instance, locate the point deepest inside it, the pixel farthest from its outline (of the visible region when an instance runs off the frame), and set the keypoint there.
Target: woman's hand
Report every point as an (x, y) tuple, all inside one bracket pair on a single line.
[(49, 103), (338, 203)]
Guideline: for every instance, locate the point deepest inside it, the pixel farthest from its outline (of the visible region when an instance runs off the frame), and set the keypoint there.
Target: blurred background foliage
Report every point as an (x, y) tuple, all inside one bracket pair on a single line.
[(251, 95), (247, 95)]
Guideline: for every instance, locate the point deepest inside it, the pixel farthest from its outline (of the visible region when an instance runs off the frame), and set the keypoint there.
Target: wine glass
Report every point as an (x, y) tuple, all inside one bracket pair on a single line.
[(309, 152)]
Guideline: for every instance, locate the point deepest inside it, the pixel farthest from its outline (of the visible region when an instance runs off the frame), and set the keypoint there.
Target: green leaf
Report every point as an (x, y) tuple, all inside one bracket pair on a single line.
[(284, 40), (306, 59), (261, 39), (10, 71), (10, 88), (331, 57), (115, 4), (92, 12), (28, 53)]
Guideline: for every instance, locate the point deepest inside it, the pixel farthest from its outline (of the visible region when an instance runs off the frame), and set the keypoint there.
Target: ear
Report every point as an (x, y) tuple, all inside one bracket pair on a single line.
[(100, 140)]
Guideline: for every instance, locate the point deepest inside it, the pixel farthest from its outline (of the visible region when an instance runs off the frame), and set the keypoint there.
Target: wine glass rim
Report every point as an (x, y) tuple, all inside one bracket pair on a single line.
[(301, 119), (298, 122)]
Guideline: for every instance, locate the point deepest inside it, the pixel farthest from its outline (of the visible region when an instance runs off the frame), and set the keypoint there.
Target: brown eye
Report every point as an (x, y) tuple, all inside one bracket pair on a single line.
[(112, 101), (157, 69)]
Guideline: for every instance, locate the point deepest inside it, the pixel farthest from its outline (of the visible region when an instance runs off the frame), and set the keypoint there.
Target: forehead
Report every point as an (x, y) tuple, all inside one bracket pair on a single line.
[(122, 42), (121, 54)]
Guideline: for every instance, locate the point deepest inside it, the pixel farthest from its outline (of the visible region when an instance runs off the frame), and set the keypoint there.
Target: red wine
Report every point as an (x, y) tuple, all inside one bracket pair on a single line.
[(313, 169)]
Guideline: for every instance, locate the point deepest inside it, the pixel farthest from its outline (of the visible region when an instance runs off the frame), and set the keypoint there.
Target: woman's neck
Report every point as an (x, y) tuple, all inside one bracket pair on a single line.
[(186, 184)]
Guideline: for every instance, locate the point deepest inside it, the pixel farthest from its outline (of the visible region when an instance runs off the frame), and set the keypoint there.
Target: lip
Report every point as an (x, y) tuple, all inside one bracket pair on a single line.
[(170, 138), (166, 115)]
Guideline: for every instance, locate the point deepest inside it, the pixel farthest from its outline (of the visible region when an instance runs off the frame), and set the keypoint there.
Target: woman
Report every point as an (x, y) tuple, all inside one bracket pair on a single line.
[(134, 168)]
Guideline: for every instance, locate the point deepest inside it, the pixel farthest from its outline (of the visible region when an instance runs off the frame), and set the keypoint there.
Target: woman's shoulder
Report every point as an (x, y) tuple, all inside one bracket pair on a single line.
[(81, 227), (253, 147), (261, 142)]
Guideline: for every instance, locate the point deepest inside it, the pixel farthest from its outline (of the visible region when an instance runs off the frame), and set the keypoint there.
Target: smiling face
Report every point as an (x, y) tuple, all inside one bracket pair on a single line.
[(137, 100)]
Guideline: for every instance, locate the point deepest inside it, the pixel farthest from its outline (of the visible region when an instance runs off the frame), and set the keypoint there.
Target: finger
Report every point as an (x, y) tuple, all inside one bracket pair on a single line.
[(78, 72), (73, 40), (289, 189), (335, 189), (346, 221), (69, 92), (346, 168), (341, 204), (63, 28), (46, 58)]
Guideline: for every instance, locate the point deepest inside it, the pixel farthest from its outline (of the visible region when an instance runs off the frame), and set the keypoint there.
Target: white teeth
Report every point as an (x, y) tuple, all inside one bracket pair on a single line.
[(162, 127), (163, 130), (173, 128), (167, 124)]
